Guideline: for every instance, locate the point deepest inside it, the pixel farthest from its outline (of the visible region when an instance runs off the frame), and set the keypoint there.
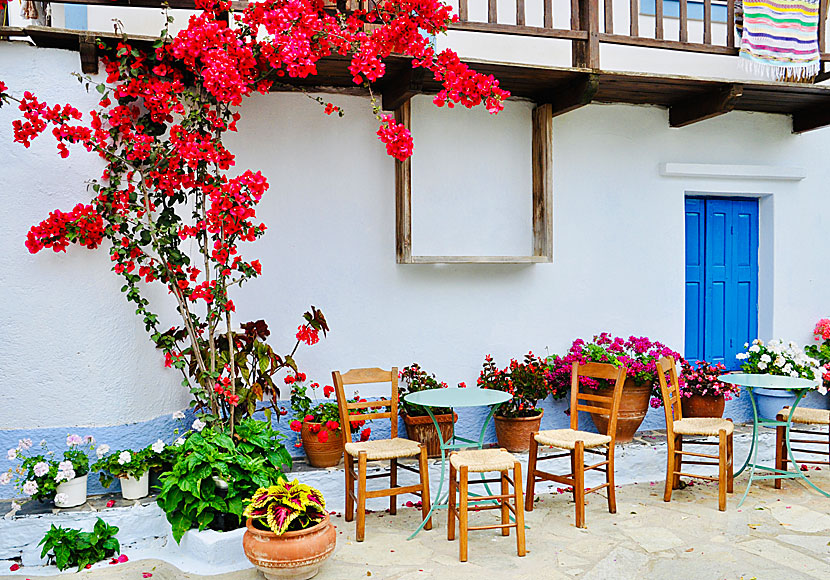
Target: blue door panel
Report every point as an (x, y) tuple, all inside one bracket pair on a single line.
[(721, 278)]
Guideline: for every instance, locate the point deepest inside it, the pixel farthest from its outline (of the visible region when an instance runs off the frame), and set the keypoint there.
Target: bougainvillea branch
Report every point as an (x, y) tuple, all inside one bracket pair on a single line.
[(165, 203)]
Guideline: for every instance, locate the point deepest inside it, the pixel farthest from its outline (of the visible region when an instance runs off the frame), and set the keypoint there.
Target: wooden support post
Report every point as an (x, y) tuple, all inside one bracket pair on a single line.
[(634, 17), (403, 194), (399, 88), (707, 21), (542, 179), (812, 118), (585, 54), (730, 23), (520, 12), (573, 94), (89, 54), (684, 21), (701, 107)]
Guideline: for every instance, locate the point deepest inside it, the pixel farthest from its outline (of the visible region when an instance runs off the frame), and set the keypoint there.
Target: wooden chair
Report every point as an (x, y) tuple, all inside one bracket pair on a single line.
[(579, 442), (804, 416), (469, 461), (376, 450), (677, 427)]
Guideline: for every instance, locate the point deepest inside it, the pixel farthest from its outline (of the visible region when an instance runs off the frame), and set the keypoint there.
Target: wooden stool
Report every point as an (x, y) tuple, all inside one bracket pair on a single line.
[(804, 416), (482, 461)]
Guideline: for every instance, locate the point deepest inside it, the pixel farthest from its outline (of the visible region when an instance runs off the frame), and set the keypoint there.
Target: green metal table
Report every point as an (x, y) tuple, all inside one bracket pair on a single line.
[(752, 381), (454, 397)]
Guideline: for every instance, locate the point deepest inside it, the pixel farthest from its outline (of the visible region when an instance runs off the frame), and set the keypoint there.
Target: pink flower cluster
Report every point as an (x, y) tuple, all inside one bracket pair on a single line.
[(822, 329)]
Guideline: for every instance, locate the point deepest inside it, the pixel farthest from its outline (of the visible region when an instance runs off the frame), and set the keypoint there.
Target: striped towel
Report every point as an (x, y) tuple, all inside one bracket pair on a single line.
[(779, 38)]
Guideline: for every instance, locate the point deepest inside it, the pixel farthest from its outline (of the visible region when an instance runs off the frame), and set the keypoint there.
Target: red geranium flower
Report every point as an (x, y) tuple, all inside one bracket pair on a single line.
[(364, 435), (323, 436), (332, 425), (296, 426)]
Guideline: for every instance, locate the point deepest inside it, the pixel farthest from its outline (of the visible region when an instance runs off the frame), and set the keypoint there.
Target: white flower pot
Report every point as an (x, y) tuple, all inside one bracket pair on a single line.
[(75, 491), (132, 488)]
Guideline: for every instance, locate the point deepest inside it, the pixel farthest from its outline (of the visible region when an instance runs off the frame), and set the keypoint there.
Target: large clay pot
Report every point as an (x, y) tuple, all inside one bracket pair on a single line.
[(703, 406), (422, 430), (319, 454), (513, 434), (297, 555), (74, 490), (633, 407)]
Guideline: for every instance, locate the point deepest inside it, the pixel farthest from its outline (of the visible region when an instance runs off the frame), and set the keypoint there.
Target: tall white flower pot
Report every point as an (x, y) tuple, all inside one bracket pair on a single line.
[(74, 490), (132, 488)]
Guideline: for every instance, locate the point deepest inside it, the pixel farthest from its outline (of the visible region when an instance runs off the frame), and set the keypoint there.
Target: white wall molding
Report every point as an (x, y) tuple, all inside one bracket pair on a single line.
[(730, 171)]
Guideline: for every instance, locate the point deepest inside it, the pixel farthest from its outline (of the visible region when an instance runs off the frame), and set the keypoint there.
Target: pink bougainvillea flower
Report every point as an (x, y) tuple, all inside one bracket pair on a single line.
[(14, 567), (146, 574), (110, 503)]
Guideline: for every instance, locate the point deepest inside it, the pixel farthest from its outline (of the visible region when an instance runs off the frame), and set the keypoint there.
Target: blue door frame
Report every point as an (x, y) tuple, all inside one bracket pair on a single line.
[(721, 278)]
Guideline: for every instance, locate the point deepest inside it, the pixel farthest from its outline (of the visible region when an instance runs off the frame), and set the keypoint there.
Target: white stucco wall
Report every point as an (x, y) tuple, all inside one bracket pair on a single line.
[(76, 354)]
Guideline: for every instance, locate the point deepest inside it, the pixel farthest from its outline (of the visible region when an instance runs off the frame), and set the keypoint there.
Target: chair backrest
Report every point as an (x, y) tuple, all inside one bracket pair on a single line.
[(587, 399), (362, 377), (670, 391)]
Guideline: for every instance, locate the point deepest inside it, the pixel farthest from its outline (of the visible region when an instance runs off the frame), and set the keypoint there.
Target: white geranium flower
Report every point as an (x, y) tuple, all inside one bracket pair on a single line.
[(72, 440), (89, 440), (24, 444), (65, 466), (41, 468), (762, 366), (780, 361), (5, 478), (67, 475), (788, 368), (198, 425), (158, 446), (765, 358), (102, 450), (124, 457), (741, 356), (754, 348), (178, 415), (793, 374), (61, 498), (30, 488), (179, 442), (12, 454)]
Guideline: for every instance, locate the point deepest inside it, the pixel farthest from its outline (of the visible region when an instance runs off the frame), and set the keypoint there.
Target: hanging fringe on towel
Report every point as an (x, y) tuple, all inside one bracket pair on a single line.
[(779, 39)]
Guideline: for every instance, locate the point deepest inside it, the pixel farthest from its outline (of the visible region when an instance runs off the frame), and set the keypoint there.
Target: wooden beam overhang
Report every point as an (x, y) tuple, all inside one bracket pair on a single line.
[(701, 107), (399, 87), (811, 118), (571, 94)]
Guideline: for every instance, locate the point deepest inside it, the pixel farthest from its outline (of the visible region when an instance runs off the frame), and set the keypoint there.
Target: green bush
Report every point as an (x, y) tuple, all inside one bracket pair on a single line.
[(70, 547)]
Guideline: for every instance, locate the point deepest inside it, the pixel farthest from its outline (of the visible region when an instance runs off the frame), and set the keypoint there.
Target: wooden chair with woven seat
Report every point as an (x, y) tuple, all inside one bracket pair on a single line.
[(469, 461), (390, 449), (803, 416), (579, 442), (677, 427)]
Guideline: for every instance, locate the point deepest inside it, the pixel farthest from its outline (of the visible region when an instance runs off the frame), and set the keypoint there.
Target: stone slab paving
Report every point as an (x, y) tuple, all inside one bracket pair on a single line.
[(776, 535)]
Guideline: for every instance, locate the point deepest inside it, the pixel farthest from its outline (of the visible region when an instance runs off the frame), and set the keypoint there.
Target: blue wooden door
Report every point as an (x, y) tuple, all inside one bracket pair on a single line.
[(721, 278)]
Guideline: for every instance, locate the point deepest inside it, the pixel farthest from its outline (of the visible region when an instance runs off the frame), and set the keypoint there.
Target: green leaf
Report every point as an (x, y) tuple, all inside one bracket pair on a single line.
[(101, 88)]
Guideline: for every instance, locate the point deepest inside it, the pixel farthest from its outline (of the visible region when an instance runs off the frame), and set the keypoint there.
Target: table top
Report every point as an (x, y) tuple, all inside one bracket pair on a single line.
[(767, 381), (458, 397)]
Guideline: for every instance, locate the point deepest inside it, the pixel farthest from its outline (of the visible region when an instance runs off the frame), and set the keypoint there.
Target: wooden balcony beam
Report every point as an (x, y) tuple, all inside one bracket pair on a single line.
[(397, 89), (811, 118), (572, 94), (705, 106)]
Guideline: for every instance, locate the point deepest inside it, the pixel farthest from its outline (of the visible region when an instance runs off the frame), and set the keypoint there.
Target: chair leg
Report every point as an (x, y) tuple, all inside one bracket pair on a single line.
[(669, 469), (451, 505), (393, 481), (722, 477), (678, 461), (730, 474), (505, 511), (423, 469), (361, 496), (349, 465), (520, 514), (578, 459), (609, 477), (531, 473), (462, 513), (780, 452)]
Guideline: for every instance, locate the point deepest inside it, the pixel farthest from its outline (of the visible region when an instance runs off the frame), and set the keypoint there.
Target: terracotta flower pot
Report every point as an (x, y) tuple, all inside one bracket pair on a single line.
[(422, 430), (297, 555), (633, 408), (702, 406), (322, 454), (513, 434)]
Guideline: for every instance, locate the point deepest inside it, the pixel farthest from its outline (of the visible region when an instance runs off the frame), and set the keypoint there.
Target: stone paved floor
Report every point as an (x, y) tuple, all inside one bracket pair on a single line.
[(775, 535)]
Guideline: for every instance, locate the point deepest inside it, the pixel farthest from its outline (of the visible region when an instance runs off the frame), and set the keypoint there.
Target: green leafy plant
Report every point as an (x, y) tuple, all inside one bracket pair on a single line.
[(525, 380), (286, 507), (413, 380), (68, 547), (253, 458), (126, 463)]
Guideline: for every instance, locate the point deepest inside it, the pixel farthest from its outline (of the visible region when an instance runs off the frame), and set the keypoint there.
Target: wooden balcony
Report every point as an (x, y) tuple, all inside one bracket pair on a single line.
[(691, 26)]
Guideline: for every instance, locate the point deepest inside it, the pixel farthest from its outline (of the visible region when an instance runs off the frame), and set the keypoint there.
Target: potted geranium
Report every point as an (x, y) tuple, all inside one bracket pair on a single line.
[(289, 534), (419, 427), (821, 351), (42, 476), (131, 467), (519, 416), (777, 358), (638, 354), (317, 422), (702, 394)]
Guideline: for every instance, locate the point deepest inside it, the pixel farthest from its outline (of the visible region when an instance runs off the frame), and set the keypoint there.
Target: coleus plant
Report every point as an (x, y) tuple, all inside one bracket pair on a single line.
[(166, 208), (287, 506)]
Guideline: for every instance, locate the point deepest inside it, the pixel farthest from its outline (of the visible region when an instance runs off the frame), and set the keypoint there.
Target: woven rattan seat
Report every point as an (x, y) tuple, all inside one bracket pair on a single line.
[(703, 426), (483, 460), (567, 438), (807, 415), (384, 448)]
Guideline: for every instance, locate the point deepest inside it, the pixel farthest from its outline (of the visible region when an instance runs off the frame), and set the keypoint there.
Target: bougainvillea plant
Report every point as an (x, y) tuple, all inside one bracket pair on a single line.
[(525, 380), (166, 207)]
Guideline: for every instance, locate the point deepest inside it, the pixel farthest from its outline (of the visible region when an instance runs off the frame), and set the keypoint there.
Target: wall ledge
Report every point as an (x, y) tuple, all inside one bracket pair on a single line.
[(729, 171)]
